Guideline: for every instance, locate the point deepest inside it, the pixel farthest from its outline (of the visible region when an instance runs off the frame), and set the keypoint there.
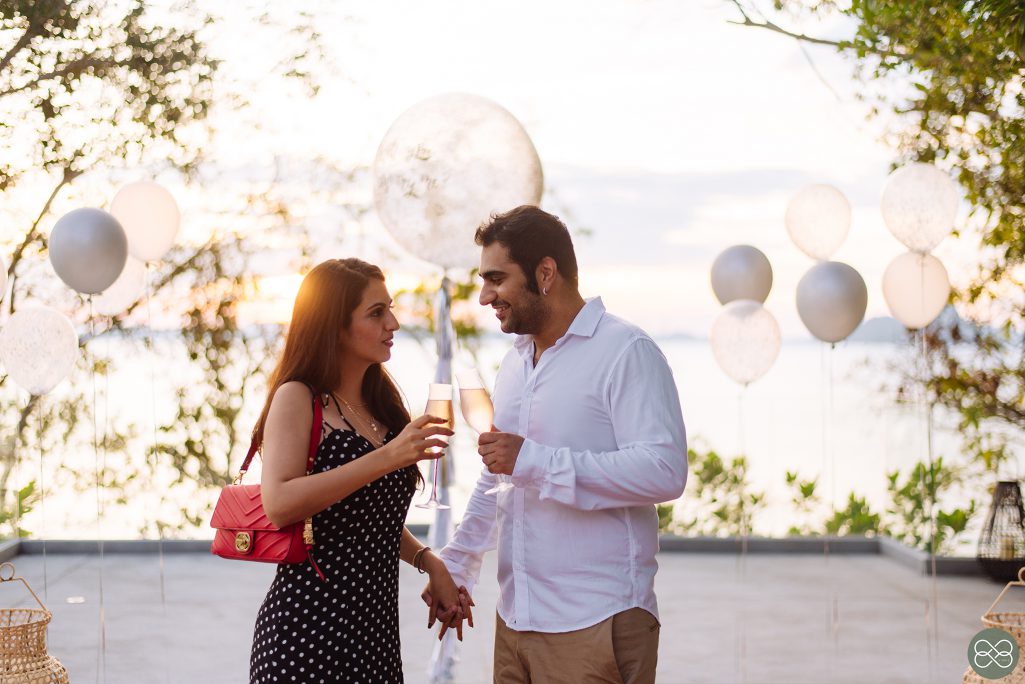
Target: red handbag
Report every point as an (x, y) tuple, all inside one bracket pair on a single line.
[(243, 530)]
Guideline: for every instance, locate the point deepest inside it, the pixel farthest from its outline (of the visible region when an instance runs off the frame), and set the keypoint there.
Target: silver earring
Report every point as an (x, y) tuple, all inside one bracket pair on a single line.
[(544, 291)]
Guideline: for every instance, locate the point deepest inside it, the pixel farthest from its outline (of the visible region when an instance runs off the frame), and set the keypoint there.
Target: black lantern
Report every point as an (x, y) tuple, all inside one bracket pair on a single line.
[(1002, 543)]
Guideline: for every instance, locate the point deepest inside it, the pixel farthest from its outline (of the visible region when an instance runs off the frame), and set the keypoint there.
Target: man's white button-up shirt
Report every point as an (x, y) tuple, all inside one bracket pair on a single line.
[(604, 442)]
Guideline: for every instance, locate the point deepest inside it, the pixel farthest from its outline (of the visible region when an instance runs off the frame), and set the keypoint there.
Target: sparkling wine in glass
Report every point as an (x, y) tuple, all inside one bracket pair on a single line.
[(479, 413), (439, 405)]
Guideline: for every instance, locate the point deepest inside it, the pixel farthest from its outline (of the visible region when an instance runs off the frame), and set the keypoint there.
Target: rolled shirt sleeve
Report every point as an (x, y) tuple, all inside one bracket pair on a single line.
[(650, 464)]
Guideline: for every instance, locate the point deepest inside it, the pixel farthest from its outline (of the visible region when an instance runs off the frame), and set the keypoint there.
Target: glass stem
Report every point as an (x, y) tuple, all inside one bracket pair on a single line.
[(434, 486)]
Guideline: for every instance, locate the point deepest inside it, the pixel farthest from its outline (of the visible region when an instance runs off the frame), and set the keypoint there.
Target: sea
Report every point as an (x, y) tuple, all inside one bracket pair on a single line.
[(826, 413)]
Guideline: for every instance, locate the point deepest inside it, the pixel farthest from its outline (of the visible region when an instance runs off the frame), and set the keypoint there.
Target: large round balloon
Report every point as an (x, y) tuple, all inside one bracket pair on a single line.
[(831, 300), (88, 249), (38, 347), (125, 291), (818, 219), (444, 167), (745, 340), (916, 288), (741, 272), (150, 217), (919, 206)]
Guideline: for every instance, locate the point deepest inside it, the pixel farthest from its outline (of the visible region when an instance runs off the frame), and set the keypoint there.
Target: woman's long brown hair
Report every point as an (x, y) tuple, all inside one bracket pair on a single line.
[(327, 298)]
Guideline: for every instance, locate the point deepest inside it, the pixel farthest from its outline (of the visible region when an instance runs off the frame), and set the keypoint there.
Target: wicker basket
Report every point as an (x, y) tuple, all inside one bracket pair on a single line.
[(23, 656), (1013, 624)]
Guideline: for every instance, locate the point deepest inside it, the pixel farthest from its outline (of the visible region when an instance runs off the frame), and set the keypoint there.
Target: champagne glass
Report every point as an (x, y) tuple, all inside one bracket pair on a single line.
[(439, 404), (479, 413)]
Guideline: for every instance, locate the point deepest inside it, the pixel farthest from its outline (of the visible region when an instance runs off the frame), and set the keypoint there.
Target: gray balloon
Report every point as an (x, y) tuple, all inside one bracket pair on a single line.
[(88, 249), (741, 272), (831, 300)]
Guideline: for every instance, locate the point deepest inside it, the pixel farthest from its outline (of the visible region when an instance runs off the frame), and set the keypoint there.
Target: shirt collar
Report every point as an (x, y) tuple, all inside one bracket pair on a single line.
[(584, 325)]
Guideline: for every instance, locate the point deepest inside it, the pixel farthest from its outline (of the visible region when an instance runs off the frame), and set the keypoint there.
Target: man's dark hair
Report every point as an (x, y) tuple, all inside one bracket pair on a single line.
[(531, 234)]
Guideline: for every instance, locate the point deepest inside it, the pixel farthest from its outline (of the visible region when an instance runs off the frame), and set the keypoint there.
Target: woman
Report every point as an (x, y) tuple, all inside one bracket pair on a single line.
[(344, 627)]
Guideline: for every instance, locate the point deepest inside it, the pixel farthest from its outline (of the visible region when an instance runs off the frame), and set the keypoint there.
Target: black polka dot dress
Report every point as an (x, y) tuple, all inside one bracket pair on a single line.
[(347, 628)]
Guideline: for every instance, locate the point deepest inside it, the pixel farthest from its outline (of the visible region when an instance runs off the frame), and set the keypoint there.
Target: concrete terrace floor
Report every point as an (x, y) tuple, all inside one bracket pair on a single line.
[(769, 618)]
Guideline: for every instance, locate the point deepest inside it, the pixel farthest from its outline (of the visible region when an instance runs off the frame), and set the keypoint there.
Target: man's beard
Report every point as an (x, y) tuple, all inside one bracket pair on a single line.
[(528, 317)]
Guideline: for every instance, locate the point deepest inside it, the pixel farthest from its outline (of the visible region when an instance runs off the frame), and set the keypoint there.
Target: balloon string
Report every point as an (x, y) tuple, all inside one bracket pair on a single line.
[(742, 558), (824, 458), (155, 459), (101, 466), (743, 505), (153, 419), (931, 506), (829, 409), (834, 602), (42, 497)]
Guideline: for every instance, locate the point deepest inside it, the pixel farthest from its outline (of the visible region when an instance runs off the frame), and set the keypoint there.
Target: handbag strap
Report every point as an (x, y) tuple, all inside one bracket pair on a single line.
[(318, 418)]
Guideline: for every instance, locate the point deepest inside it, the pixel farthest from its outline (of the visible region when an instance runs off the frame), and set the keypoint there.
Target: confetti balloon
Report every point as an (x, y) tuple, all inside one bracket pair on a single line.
[(444, 167), (818, 219), (920, 206), (745, 340), (38, 348)]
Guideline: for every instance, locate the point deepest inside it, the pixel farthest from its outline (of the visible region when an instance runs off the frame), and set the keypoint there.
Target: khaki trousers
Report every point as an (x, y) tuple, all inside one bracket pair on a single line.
[(622, 649)]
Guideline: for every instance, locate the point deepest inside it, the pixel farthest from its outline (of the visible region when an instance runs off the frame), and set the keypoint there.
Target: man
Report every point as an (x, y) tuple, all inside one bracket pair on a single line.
[(588, 425)]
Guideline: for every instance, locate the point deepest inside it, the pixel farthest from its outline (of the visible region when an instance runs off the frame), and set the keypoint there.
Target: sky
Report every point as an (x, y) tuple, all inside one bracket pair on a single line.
[(665, 131)]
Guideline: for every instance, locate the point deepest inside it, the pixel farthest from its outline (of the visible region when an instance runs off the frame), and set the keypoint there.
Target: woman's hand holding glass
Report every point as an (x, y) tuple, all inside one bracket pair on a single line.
[(423, 438), (439, 403)]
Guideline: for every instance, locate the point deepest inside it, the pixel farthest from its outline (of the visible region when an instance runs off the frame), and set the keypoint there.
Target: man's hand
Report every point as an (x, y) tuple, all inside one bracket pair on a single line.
[(447, 604), (499, 450)]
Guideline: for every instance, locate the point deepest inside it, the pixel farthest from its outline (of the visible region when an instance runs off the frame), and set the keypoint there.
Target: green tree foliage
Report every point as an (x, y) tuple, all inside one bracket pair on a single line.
[(916, 496), (949, 75), (856, 518), (87, 89), (720, 496), (953, 71), (806, 503)]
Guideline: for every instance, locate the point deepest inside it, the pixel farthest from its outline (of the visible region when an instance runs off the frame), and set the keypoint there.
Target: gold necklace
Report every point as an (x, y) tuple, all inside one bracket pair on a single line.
[(369, 419)]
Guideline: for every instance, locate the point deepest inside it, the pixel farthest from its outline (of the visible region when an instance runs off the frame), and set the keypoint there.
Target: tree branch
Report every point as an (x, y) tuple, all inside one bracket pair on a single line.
[(804, 38), (33, 232), (77, 66), (25, 39)]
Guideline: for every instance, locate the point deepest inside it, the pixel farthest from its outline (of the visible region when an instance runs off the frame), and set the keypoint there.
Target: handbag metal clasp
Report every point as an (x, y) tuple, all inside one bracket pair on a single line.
[(243, 542)]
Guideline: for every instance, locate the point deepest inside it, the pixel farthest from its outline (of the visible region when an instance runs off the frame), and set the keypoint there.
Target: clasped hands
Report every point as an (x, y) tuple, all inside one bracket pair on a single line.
[(446, 603)]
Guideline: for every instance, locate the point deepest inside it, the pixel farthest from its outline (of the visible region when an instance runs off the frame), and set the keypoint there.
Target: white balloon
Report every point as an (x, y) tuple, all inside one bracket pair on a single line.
[(38, 347), (745, 340), (831, 300), (741, 272), (150, 217), (818, 219), (88, 249), (125, 291), (916, 288), (444, 167), (920, 205)]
